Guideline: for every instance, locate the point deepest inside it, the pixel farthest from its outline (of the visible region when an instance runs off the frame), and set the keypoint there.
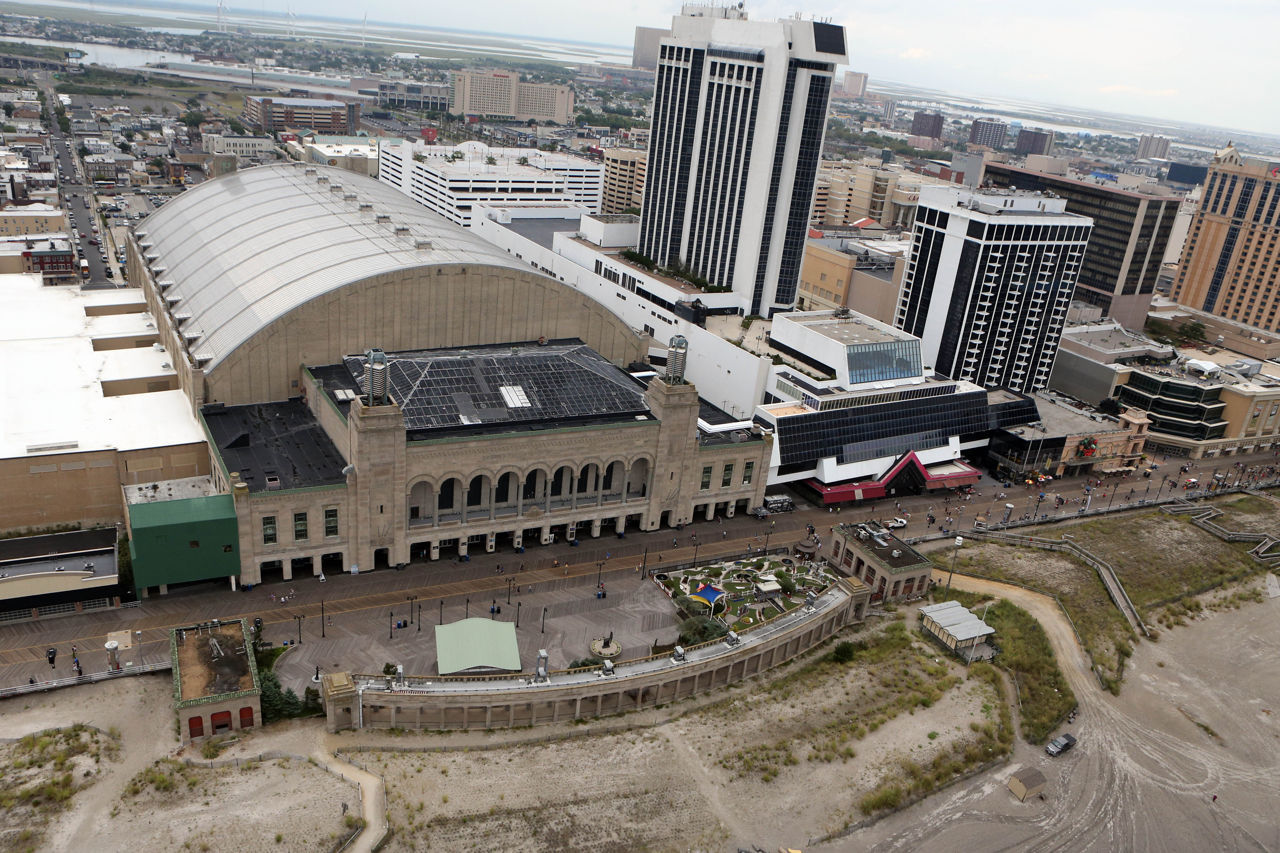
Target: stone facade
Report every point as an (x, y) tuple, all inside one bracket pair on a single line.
[(892, 571), (409, 500)]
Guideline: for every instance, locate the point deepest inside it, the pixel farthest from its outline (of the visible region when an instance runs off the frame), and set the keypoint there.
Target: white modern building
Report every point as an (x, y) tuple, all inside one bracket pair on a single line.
[(739, 112), (452, 180), (241, 146), (989, 281)]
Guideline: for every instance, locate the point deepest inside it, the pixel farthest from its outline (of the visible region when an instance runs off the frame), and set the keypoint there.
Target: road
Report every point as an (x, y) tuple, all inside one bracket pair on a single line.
[(1146, 770)]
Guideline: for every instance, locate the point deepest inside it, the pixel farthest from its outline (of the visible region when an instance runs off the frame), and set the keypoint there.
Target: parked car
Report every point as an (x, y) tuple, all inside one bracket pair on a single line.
[(92, 241), (1060, 744)]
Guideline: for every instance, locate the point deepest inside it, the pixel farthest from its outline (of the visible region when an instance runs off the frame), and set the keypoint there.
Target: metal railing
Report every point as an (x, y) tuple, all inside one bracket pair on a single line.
[(87, 678)]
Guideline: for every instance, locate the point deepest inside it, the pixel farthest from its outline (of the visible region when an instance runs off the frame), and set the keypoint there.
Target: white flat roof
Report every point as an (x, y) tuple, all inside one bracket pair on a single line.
[(51, 398)]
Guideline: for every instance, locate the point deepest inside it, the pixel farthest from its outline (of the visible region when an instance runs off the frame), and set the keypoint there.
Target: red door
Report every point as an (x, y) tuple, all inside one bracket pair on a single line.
[(221, 721), (196, 725), (246, 718)]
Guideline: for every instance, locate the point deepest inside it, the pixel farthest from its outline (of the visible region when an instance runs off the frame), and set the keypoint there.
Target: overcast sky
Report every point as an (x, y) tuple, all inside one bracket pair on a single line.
[(1162, 58)]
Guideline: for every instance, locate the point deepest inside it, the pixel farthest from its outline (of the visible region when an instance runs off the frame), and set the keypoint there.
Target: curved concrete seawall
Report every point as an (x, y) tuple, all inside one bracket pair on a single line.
[(484, 702)]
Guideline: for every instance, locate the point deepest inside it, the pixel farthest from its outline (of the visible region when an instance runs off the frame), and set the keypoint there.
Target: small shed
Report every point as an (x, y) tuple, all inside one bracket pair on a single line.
[(958, 629), (1027, 782)]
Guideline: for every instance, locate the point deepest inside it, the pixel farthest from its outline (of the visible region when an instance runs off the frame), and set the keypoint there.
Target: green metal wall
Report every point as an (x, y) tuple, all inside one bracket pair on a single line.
[(184, 540)]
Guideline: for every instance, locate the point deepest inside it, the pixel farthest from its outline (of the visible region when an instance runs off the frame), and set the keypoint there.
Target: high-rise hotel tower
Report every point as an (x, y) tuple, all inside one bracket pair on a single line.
[(738, 116)]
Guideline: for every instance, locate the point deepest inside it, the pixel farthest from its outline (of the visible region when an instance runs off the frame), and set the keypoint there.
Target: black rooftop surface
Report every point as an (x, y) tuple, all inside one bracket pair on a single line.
[(498, 388), (55, 544), (542, 231), (714, 415), (274, 445)]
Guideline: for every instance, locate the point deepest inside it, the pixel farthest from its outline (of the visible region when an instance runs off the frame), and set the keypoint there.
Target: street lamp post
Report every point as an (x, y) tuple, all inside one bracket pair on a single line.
[(696, 545), (411, 599), (644, 564), (544, 620), (298, 618), (322, 618), (493, 608), (954, 552), (419, 617), (517, 614), (442, 611), (599, 570), (390, 617), (509, 581), (466, 612)]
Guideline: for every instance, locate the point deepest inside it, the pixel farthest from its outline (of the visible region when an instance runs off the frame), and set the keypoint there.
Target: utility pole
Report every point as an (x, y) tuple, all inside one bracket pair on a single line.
[(411, 599), (298, 618), (955, 551), (322, 618)]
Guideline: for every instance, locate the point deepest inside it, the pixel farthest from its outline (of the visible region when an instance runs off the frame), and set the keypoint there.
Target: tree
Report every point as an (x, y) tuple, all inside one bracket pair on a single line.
[(274, 705), (193, 118), (700, 629), (8, 109), (236, 127), (124, 146), (1109, 406), (129, 134), (787, 583), (1192, 330), (82, 151)]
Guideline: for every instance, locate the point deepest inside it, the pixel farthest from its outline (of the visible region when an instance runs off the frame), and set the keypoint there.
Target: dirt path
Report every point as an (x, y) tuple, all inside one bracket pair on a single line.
[(1149, 762), (373, 798)]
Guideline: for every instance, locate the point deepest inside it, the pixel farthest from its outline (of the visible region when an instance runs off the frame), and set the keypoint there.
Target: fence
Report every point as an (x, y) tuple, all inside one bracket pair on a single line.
[(1106, 572), (49, 611), (87, 678)]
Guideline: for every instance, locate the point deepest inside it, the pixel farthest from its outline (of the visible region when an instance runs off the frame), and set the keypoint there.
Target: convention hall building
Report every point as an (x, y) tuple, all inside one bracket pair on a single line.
[(378, 386)]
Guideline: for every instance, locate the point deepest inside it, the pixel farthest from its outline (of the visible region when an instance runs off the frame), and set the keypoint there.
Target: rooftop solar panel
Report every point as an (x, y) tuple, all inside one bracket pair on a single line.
[(438, 389)]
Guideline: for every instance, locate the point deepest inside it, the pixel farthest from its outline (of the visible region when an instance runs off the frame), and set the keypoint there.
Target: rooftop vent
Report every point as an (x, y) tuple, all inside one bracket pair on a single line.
[(677, 352), (375, 377), (348, 196), (323, 179), (423, 245), (336, 188), (309, 171), (402, 230), (382, 219)]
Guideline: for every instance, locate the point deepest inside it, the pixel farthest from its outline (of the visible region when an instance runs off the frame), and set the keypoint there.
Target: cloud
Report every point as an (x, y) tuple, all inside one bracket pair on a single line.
[(914, 53), (1123, 89)]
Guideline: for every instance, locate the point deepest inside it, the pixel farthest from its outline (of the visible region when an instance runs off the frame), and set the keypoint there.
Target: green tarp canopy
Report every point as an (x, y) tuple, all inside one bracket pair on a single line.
[(477, 644)]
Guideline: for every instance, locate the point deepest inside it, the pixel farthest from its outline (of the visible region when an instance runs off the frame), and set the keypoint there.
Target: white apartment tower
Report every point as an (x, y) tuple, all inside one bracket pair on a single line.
[(739, 111), (988, 283)]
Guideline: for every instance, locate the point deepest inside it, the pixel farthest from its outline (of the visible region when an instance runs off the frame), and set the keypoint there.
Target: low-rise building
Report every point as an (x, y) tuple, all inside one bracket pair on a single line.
[(50, 256), (453, 181), (864, 275), (414, 95), (32, 219), (1201, 402), (889, 567), (216, 687), (1069, 440), (241, 146), (323, 116), (958, 630)]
